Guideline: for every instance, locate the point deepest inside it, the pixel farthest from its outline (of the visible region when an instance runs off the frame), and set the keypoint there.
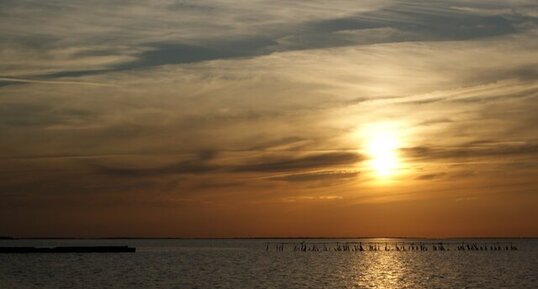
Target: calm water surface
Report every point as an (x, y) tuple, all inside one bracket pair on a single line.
[(246, 264)]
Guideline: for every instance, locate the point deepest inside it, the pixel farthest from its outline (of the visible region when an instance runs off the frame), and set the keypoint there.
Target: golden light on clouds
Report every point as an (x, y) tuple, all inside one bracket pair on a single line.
[(157, 120)]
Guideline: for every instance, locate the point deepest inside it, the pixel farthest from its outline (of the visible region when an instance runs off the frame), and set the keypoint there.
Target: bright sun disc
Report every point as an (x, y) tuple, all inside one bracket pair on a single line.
[(382, 149)]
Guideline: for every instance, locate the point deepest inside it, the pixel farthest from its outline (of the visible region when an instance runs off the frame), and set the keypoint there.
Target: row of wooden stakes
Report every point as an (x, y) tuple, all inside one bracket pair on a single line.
[(388, 246)]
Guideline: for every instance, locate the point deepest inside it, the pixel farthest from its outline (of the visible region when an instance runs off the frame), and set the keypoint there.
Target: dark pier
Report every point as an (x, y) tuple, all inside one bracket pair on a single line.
[(77, 249)]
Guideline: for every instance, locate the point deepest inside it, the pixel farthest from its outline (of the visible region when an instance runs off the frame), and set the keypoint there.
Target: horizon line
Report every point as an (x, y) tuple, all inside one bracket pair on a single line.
[(257, 238)]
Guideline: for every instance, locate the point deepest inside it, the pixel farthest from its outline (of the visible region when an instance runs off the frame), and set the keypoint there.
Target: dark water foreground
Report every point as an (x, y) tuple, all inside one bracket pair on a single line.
[(248, 264)]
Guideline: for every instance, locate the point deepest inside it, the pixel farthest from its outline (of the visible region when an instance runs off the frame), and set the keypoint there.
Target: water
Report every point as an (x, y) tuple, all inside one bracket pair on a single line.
[(246, 264)]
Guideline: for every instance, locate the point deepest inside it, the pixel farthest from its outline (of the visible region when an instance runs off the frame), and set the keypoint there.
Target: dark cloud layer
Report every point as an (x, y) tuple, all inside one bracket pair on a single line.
[(202, 165), (300, 163), (318, 176), (474, 150), (431, 176), (186, 167)]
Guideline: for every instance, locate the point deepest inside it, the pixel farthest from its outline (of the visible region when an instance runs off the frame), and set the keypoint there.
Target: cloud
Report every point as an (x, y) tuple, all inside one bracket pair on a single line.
[(291, 142), (186, 167), (431, 176), (474, 150), (146, 36), (109, 35), (26, 114), (202, 165), (7, 81), (199, 163), (280, 164), (318, 176)]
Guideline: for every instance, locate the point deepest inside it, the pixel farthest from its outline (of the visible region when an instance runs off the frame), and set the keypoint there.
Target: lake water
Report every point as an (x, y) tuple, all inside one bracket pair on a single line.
[(170, 263)]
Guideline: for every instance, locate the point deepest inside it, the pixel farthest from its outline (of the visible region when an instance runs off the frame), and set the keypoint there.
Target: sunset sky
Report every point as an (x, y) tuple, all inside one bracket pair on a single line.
[(256, 118)]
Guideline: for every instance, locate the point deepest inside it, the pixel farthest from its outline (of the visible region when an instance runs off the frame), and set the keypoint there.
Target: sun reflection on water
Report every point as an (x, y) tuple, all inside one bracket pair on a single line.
[(381, 269)]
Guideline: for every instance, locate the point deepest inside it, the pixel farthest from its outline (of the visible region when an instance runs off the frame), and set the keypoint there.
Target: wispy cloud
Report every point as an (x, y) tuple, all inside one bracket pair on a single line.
[(300, 163), (7, 80), (475, 151), (318, 176), (132, 35)]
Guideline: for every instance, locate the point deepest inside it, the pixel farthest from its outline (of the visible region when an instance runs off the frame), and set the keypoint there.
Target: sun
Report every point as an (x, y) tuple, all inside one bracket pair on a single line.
[(382, 145)]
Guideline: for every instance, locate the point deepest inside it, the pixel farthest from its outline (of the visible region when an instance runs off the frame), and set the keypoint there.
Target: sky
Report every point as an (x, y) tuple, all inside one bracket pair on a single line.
[(260, 118)]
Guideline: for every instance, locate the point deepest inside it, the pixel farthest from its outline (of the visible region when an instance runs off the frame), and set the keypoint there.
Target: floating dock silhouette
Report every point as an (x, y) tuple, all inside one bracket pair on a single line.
[(75, 249), (399, 246)]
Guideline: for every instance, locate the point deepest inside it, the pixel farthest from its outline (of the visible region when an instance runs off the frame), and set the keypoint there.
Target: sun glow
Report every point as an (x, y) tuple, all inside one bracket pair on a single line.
[(382, 145)]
